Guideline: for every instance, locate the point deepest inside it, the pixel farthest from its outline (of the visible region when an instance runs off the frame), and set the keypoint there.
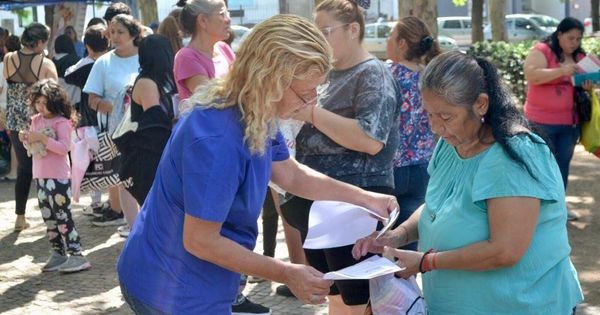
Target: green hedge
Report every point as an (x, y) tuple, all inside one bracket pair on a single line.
[(509, 59)]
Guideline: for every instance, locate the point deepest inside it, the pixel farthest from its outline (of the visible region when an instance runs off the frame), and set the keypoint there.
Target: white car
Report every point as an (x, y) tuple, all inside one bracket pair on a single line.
[(376, 35), (518, 29), (546, 23), (456, 27)]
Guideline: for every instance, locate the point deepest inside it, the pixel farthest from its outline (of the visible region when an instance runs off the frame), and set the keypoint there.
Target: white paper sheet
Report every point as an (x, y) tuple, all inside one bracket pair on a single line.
[(370, 268), (589, 64), (389, 222), (334, 224)]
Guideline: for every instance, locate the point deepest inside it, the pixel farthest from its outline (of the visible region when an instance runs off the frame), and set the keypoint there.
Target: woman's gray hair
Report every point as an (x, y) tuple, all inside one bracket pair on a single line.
[(456, 77), (193, 8)]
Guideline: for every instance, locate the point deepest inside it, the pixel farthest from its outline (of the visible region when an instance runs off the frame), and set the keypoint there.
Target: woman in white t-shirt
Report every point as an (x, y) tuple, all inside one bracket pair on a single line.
[(110, 75)]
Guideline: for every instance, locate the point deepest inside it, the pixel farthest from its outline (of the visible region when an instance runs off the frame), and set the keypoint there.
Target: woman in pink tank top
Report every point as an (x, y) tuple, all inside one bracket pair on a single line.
[(206, 57), (548, 70)]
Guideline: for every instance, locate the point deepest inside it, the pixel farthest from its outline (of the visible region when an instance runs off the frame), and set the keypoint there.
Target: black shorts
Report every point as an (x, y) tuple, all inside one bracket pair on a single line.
[(354, 292)]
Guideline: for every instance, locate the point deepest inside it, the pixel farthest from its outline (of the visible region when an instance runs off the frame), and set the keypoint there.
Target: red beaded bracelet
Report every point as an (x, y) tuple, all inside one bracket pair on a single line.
[(424, 264)]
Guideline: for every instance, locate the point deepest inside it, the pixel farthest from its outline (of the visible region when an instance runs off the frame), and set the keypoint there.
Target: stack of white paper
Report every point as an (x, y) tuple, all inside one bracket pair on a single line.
[(334, 224), (370, 268)]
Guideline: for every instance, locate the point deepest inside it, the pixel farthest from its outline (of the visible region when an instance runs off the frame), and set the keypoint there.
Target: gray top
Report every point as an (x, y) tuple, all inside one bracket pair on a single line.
[(368, 93)]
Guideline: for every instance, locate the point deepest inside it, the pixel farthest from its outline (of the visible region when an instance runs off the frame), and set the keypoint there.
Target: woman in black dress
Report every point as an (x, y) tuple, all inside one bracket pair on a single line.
[(152, 109)]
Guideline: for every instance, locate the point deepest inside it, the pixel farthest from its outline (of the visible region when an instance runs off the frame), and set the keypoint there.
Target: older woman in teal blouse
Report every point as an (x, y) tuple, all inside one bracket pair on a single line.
[(492, 233)]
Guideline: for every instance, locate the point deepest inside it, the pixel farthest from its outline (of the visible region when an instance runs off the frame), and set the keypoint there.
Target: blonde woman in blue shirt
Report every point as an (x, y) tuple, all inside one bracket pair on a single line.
[(492, 233)]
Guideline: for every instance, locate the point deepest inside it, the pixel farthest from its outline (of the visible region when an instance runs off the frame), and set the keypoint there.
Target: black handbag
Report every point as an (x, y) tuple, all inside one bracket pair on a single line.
[(582, 106)]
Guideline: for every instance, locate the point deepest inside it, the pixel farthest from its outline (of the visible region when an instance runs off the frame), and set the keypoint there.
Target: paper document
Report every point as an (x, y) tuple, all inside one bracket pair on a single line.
[(589, 64), (334, 224), (370, 268), (390, 222)]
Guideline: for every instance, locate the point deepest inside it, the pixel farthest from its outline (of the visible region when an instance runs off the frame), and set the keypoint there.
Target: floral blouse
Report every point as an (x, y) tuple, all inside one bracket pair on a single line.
[(416, 138)]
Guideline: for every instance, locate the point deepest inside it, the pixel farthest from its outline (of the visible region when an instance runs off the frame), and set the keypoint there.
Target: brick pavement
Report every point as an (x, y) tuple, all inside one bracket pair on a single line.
[(24, 289)]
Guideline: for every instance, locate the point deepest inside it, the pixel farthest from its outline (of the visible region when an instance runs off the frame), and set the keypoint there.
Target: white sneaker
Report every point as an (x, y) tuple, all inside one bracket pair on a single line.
[(123, 231)]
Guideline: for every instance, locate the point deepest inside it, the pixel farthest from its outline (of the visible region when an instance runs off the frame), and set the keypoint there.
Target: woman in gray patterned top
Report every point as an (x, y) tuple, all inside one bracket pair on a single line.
[(351, 136)]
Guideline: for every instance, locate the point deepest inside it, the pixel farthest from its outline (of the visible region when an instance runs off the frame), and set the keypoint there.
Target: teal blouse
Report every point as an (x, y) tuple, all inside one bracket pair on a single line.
[(544, 281)]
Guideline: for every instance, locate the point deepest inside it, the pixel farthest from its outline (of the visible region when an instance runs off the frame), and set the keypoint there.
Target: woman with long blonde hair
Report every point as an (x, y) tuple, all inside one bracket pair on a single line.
[(197, 228)]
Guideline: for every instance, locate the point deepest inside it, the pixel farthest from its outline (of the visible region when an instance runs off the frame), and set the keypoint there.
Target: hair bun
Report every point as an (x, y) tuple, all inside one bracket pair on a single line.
[(426, 43), (181, 3)]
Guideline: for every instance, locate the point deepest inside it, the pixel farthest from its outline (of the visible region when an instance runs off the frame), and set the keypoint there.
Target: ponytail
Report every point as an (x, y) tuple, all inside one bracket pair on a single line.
[(502, 115)]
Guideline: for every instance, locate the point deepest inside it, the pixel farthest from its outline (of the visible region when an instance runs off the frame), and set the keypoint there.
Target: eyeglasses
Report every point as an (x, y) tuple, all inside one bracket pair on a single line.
[(224, 13), (305, 102), (329, 29), (320, 89)]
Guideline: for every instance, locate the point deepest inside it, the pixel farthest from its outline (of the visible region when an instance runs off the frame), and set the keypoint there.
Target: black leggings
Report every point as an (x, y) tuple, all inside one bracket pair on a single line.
[(353, 292), (23, 183), (270, 220)]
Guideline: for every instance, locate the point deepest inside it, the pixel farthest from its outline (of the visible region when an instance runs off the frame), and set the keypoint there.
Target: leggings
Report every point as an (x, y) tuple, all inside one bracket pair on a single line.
[(54, 198), (23, 183)]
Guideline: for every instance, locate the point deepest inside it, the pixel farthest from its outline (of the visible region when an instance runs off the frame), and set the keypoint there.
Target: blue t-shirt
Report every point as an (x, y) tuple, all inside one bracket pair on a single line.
[(208, 172), (109, 78), (544, 281)]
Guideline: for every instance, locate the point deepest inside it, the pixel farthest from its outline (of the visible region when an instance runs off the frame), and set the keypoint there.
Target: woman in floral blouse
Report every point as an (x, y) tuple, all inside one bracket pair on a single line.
[(411, 47)]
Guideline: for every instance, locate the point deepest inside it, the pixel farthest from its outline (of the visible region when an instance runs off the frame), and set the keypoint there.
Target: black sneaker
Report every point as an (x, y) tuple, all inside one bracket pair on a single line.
[(109, 218), (283, 290), (247, 307), (96, 209)]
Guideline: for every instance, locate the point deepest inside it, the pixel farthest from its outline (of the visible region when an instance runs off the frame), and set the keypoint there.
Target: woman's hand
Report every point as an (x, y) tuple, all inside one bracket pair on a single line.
[(407, 259), (569, 69), (588, 85), (305, 113), (24, 136), (307, 283), (380, 203), (371, 244)]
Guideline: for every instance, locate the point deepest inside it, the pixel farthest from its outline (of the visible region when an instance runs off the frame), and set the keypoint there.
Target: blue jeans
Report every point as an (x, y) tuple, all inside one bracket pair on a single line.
[(410, 186), (137, 306), (563, 139)]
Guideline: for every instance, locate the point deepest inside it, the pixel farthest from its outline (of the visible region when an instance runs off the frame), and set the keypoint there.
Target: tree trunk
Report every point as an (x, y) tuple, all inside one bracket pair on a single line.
[(49, 20), (283, 9), (595, 16), (148, 11), (498, 19), (406, 8), (476, 21), (425, 10)]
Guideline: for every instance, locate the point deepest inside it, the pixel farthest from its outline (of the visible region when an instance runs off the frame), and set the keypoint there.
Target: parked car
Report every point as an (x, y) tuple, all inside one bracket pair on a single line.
[(546, 23), (518, 29), (376, 35), (240, 34), (456, 27)]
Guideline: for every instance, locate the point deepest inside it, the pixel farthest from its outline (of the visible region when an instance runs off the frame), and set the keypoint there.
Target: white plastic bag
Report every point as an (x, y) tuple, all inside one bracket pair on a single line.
[(394, 296)]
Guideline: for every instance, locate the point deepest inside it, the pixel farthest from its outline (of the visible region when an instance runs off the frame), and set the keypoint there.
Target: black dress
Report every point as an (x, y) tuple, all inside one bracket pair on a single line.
[(141, 150)]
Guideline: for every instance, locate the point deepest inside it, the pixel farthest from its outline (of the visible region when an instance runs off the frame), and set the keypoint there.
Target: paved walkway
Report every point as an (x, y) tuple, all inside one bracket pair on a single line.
[(25, 290)]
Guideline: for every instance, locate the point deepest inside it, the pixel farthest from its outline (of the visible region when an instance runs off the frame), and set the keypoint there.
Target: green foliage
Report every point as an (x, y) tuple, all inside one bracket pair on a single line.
[(22, 12), (509, 59), (459, 3)]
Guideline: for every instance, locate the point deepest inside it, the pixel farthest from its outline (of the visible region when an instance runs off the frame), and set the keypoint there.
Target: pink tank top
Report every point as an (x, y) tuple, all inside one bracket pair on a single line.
[(550, 103)]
